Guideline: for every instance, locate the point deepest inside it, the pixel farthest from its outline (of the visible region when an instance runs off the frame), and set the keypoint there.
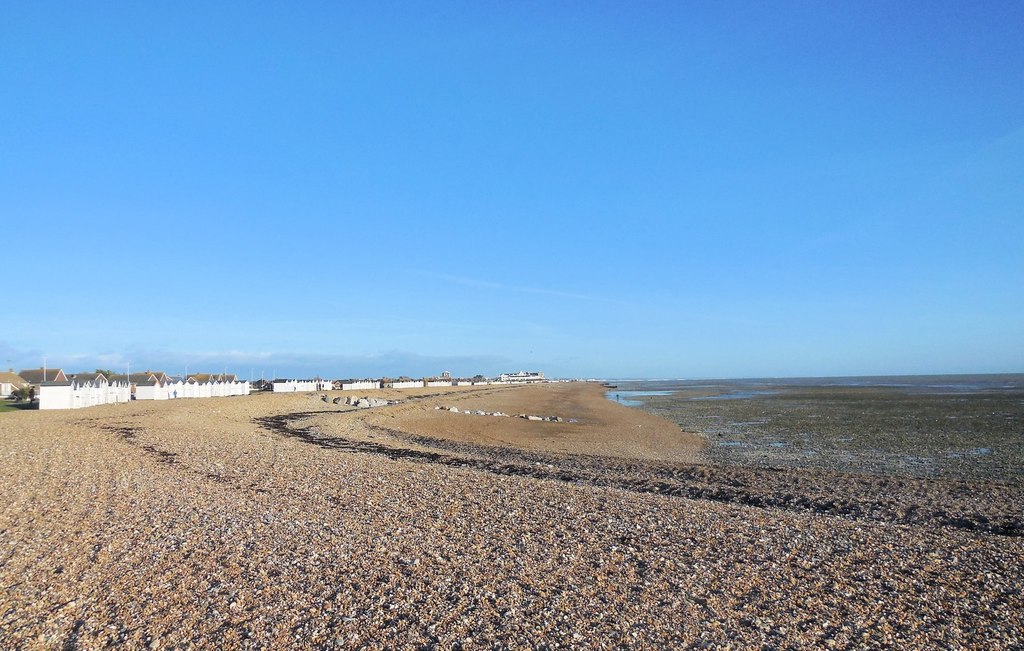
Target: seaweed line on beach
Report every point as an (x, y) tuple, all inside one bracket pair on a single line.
[(909, 501), (129, 434)]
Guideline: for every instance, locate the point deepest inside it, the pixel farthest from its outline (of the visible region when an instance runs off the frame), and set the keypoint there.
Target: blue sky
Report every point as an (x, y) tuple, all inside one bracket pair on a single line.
[(589, 189)]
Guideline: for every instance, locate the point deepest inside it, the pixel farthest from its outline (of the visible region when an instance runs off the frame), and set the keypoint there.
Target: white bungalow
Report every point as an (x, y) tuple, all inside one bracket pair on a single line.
[(10, 382)]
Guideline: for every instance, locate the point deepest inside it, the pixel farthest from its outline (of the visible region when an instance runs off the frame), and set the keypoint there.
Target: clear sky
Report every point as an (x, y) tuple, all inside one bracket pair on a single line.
[(600, 189)]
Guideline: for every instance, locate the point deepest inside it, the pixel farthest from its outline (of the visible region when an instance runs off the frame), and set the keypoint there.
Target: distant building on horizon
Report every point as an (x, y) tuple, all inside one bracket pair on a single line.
[(522, 377)]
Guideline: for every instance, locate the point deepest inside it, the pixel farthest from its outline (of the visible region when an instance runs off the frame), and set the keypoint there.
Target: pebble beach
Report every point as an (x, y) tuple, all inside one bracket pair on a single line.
[(292, 522)]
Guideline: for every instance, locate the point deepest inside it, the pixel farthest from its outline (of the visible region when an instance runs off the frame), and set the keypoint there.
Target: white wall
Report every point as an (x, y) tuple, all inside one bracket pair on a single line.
[(150, 392), (55, 397), (222, 389), (410, 384), (290, 386), (117, 392), (75, 396), (356, 386), (210, 389)]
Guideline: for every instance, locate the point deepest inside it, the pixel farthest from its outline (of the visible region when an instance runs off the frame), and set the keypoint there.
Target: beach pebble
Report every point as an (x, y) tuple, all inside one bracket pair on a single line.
[(260, 524)]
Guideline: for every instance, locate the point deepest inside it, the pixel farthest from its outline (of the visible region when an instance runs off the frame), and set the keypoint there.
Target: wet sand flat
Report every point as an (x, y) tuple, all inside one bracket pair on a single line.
[(941, 430), (289, 522)]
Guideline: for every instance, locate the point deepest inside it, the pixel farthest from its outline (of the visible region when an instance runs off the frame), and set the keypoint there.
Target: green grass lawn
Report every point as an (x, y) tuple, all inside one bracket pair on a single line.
[(7, 405)]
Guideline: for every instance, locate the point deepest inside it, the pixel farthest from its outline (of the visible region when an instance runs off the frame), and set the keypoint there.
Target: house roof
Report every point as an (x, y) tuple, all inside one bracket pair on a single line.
[(135, 378), (86, 377), (35, 375), (12, 378), (214, 377)]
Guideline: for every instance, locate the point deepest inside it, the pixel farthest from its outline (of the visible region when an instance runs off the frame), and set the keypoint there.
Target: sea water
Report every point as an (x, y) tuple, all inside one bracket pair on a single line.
[(628, 398)]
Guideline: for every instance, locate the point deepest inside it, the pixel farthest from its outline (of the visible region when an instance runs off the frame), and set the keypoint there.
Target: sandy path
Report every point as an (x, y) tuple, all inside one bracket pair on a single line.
[(603, 428)]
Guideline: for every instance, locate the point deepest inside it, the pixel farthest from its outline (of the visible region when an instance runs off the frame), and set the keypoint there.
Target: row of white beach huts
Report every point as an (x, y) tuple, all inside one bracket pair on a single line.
[(91, 389), (444, 380), (55, 390), (293, 386)]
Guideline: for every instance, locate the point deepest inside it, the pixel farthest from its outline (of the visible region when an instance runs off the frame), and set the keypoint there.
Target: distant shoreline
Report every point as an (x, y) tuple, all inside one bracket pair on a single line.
[(819, 378)]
